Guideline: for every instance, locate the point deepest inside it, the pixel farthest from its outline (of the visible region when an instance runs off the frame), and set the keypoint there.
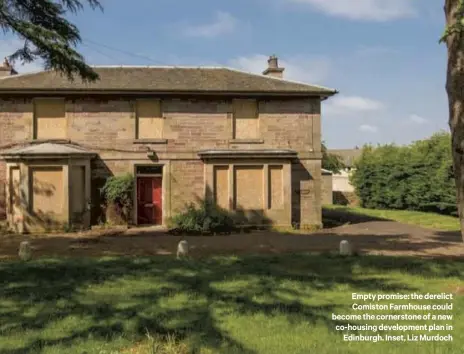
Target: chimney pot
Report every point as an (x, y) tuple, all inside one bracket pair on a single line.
[(273, 62), (6, 69), (273, 69)]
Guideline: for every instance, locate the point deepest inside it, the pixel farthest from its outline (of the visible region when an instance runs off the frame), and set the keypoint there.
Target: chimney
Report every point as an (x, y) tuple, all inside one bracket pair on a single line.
[(6, 69), (273, 68)]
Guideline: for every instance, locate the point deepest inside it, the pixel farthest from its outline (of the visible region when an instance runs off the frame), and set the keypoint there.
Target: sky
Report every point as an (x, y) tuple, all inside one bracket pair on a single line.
[(383, 56)]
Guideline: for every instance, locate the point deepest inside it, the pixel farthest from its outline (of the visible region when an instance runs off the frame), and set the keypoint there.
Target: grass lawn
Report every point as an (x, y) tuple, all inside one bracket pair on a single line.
[(252, 304), (427, 220)]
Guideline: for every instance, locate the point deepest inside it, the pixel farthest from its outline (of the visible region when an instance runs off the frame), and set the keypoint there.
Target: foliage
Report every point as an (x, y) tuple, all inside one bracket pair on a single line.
[(47, 33), (119, 190), (415, 177), (331, 162), (203, 219), (456, 27)]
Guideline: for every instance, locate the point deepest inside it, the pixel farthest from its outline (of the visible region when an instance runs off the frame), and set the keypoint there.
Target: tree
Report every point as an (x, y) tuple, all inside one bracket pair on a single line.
[(331, 162), (47, 34), (454, 38)]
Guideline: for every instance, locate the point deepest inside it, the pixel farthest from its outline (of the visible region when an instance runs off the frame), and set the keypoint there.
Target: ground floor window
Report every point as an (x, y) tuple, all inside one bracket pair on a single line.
[(47, 193), (248, 187), (248, 191)]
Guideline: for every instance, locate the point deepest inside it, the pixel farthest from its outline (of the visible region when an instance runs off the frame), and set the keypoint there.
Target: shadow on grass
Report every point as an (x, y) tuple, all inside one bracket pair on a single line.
[(59, 289), (448, 236), (337, 217), (333, 217)]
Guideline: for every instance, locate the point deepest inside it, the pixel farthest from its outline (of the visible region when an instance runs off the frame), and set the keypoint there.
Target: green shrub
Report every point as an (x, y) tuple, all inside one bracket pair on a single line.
[(205, 218), (118, 190), (414, 177)]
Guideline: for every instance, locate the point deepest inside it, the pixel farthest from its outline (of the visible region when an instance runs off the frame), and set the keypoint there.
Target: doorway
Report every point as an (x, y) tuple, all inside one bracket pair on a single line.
[(149, 200)]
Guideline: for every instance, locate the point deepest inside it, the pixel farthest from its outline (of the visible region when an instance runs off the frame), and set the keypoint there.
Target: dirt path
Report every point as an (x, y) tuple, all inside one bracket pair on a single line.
[(372, 237)]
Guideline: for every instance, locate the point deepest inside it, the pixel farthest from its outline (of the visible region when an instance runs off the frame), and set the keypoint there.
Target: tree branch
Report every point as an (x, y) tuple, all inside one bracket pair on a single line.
[(47, 34)]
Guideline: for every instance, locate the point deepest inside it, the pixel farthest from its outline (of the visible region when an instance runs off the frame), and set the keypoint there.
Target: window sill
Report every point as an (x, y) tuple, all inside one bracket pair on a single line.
[(150, 141), (56, 141), (246, 141)]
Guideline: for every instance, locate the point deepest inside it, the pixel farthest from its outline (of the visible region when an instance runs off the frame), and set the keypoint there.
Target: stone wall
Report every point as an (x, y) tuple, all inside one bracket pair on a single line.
[(341, 182), (306, 193), (108, 126), (327, 194)]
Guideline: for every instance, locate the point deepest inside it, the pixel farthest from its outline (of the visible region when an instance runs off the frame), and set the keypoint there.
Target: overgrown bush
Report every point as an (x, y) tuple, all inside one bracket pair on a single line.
[(118, 192), (415, 177), (206, 218)]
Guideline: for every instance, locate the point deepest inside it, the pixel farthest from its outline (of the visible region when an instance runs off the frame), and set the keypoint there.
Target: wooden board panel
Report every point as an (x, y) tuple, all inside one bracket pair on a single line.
[(249, 190), (150, 120), (47, 192), (245, 119), (50, 119), (15, 197), (221, 186), (276, 190), (77, 189)]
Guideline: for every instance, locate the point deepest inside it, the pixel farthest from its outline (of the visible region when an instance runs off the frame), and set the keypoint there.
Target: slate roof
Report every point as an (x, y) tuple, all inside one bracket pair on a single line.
[(164, 80), (348, 155), (47, 149)]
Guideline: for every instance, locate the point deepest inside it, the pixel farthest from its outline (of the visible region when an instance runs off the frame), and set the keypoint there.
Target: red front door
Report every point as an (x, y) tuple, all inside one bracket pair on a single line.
[(149, 209)]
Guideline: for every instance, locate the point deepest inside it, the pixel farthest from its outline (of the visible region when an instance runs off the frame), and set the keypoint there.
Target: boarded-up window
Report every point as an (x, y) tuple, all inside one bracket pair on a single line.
[(246, 123), (14, 191), (50, 119), (221, 186), (249, 190), (47, 196), (149, 119), (275, 187), (77, 190)]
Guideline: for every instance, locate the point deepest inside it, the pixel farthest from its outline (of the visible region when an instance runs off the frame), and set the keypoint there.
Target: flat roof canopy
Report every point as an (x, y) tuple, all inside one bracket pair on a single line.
[(47, 150)]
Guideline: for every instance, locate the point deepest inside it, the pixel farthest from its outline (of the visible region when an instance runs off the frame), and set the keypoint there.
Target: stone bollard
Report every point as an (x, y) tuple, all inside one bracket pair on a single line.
[(25, 252), (345, 248), (182, 249)]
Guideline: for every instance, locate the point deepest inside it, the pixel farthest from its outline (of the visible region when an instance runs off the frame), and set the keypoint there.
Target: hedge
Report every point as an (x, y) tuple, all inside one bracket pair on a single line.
[(415, 177)]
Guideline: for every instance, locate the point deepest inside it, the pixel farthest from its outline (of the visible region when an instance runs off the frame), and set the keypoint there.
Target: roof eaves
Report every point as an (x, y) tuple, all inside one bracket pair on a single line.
[(20, 90), (157, 67), (322, 88)]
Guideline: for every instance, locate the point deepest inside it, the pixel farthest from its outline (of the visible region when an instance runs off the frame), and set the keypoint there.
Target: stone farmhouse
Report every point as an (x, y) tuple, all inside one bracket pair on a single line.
[(250, 143)]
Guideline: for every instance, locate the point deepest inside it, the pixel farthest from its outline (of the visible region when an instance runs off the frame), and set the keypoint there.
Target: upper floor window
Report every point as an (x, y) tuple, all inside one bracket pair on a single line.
[(50, 118), (149, 119), (246, 122)]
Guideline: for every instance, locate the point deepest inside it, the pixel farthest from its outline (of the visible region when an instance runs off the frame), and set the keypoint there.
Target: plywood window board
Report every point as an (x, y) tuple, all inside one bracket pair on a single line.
[(245, 119), (249, 187), (50, 119), (150, 122)]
